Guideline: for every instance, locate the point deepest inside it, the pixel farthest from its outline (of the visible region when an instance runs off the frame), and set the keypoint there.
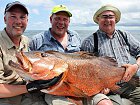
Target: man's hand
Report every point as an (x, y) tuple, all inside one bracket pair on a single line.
[(38, 85), (130, 71), (105, 91)]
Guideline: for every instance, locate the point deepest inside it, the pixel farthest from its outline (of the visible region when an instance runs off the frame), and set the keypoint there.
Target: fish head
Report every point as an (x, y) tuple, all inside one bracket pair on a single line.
[(37, 67)]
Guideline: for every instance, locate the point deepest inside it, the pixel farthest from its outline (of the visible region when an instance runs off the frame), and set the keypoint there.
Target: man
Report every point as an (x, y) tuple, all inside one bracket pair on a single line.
[(13, 89), (117, 44), (59, 38)]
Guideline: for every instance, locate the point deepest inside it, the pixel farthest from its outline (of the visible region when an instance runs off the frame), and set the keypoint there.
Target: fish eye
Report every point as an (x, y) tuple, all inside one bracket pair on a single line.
[(44, 55)]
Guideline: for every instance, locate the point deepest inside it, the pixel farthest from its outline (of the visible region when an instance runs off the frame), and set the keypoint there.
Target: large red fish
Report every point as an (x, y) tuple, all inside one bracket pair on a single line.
[(84, 74)]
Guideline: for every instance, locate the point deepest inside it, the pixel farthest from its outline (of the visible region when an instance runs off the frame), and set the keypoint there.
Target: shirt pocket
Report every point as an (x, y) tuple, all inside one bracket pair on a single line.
[(46, 47), (125, 53), (73, 48)]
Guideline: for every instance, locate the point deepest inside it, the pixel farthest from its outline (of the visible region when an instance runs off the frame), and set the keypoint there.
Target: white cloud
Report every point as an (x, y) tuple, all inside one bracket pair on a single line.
[(1, 10), (81, 17), (38, 3), (83, 10), (35, 11)]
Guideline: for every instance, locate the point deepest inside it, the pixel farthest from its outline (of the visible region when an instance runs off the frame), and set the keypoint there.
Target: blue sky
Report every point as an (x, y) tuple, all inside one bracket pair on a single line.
[(82, 10)]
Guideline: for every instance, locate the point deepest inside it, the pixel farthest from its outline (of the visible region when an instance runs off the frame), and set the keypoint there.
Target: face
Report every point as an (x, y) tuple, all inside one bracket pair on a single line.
[(107, 21), (60, 22), (16, 21)]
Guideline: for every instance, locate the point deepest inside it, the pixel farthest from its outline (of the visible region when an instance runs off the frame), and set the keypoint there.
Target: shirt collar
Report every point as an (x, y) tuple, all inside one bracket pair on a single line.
[(9, 42), (103, 33), (50, 36)]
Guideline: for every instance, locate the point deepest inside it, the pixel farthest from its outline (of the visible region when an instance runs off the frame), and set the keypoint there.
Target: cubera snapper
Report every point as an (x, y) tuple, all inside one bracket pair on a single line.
[(83, 74)]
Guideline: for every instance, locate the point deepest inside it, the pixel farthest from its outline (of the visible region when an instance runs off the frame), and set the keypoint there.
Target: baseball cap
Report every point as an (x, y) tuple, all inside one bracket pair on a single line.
[(60, 8), (107, 8), (16, 3)]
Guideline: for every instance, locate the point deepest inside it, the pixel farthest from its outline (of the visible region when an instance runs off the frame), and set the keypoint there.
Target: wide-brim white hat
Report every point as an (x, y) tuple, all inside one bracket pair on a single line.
[(107, 8)]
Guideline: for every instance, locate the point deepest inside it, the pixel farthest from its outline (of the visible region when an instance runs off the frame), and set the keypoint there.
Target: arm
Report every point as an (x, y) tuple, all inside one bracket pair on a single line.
[(36, 41), (7, 90), (7, 76), (134, 48), (131, 70), (88, 44), (138, 62)]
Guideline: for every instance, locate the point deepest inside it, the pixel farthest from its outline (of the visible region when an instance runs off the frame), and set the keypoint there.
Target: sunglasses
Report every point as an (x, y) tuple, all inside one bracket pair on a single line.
[(107, 16)]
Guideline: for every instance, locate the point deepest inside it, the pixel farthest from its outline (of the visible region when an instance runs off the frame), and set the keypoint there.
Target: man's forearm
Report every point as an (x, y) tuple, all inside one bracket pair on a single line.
[(138, 62), (7, 90)]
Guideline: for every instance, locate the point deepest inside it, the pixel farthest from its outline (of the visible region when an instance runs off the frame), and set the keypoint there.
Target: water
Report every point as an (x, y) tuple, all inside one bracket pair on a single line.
[(30, 33)]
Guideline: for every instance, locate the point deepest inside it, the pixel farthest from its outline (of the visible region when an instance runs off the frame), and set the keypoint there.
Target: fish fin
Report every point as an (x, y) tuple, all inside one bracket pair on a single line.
[(51, 51), (24, 61), (75, 90), (20, 71), (109, 60), (84, 53)]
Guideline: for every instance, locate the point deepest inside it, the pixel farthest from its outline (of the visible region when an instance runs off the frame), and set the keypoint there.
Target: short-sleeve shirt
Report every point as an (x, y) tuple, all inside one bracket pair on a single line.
[(7, 52), (45, 41)]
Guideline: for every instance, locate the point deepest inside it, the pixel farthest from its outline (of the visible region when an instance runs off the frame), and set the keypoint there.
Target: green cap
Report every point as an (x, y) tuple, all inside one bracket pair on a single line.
[(107, 8), (60, 8)]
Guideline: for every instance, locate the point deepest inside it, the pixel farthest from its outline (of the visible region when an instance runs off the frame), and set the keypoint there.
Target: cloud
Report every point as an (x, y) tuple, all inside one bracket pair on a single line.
[(37, 2), (38, 26), (83, 11), (35, 11)]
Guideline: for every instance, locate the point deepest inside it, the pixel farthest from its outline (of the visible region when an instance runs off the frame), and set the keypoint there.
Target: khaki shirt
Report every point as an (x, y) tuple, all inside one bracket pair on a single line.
[(7, 52)]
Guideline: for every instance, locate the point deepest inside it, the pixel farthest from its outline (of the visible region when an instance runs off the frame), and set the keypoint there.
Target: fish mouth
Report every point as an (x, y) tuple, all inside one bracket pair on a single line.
[(53, 81)]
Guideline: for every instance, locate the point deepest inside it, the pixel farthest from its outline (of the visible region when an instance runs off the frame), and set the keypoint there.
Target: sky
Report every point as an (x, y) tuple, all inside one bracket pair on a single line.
[(82, 11)]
